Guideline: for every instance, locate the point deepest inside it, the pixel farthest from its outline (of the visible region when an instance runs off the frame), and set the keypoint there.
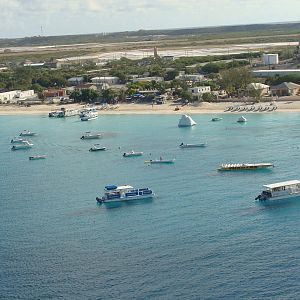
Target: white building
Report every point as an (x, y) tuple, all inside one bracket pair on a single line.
[(148, 79), (15, 96), (197, 92), (105, 79), (270, 59), (190, 77), (273, 73)]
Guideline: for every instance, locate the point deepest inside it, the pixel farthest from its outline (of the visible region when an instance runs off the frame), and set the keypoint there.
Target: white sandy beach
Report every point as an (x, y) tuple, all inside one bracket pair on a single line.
[(168, 108)]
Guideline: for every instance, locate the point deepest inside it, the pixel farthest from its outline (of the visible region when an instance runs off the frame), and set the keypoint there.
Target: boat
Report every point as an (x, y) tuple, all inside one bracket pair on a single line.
[(280, 190), (27, 133), (216, 119), (239, 167), (132, 154), (83, 112), (37, 157), (89, 136), (186, 121), (124, 193), (182, 145), (242, 119), (24, 145), (160, 161), (56, 114), (18, 140), (91, 115), (97, 147)]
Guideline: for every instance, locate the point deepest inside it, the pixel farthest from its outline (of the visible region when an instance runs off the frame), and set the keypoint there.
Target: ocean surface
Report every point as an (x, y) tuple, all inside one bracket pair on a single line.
[(203, 237)]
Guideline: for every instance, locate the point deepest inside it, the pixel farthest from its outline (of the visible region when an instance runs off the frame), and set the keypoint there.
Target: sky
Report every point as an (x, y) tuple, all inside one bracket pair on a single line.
[(20, 18)]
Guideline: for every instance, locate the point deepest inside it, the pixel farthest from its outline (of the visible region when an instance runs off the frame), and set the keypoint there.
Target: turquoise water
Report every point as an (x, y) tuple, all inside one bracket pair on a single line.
[(203, 237)]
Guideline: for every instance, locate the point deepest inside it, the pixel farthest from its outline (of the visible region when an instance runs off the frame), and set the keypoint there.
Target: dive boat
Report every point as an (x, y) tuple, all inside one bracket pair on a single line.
[(242, 119), (239, 167), (132, 154), (91, 115), (160, 161), (280, 190), (89, 136), (37, 157), (18, 140), (27, 133), (24, 145), (113, 193), (182, 145), (216, 119), (97, 147)]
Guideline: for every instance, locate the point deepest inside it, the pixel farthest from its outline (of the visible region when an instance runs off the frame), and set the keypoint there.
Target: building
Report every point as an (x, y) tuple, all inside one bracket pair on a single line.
[(285, 89), (197, 92), (75, 80), (257, 86), (16, 96), (147, 79), (105, 79), (270, 59), (274, 73), (87, 86), (55, 93), (190, 77)]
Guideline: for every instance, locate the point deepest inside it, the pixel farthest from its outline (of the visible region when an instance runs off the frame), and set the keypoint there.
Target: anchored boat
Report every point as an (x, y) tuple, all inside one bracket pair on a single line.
[(37, 157), (242, 119), (27, 133), (24, 145), (114, 193), (89, 136), (182, 145), (238, 167), (132, 154), (160, 161), (97, 147), (18, 140), (280, 190), (216, 119), (91, 115)]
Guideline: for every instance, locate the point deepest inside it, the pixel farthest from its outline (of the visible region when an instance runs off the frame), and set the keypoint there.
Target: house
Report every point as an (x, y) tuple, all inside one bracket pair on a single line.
[(198, 91), (275, 73), (190, 77), (148, 79), (105, 79), (87, 86), (16, 96), (54, 93), (257, 86), (285, 89), (75, 80)]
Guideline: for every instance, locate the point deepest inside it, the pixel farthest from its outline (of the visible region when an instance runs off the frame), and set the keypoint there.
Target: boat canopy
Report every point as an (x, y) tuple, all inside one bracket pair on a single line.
[(118, 188), (281, 184), (110, 187)]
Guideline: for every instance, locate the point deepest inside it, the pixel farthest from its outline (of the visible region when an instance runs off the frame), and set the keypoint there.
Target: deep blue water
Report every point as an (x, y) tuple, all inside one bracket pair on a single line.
[(203, 237)]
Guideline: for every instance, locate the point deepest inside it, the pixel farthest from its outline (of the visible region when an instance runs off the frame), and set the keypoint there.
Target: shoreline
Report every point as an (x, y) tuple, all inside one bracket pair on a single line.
[(147, 109)]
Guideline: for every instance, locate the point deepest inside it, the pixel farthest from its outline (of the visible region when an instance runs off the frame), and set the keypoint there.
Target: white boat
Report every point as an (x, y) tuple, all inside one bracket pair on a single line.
[(242, 119), (25, 145), (160, 161), (186, 121), (240, 167), (37, 157), (18, 140), (83, 112), (182, 145), (124, 193), (56, 114), (27, 133), (132, 154), (91, 115), (89, 136), (280, 190), (97, 147)]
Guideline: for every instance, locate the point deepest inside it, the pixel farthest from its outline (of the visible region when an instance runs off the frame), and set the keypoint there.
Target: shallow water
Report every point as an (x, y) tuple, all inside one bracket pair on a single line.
[(203, 237)]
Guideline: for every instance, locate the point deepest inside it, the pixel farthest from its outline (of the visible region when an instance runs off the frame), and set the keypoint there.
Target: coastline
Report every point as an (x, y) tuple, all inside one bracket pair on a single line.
[(131, 109)]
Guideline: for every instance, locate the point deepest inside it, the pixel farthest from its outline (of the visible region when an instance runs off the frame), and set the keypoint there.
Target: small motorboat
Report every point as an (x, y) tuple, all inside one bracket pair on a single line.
[(18, 140), (97, 147), (182, 145), (91, 115), (89, 136), (37, 157), (241, 167), (27, 133), (25, 145), (216, 119), (242, 119), (132, 154), (160, 161)]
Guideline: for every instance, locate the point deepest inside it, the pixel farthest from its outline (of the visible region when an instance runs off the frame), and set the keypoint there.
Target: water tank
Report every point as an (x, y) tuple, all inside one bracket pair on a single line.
[(270, 59)]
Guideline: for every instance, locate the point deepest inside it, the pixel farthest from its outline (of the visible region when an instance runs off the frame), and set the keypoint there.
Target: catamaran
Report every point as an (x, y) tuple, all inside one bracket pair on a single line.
[(280, 190)]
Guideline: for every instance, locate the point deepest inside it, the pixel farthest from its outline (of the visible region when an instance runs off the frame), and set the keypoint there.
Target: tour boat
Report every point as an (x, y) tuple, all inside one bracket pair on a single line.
[(91, 115), (186, 121), (97, 147), (113, 193), (132, 154), (280, 190), (18, 140), (182, 145), (216, 119), (27, 133), (37, 157), (242, 119), (238, 167), (25, 145), (89, 136), (160, 161)]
